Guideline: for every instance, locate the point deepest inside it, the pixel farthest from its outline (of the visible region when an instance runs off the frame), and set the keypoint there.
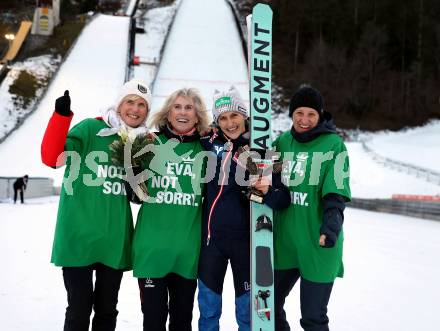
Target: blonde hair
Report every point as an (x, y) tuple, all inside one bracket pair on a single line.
[(131, 97), (160, 119)]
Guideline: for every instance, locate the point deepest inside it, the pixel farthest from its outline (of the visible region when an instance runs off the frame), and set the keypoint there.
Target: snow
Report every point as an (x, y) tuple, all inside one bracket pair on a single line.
[(130, 7), (391, 274), (391, 280), (205, 54), (369, 179), (200, 61), (41, 67), (390, 283), (280, 122), (414, 146), (156, 23), (93, 75)]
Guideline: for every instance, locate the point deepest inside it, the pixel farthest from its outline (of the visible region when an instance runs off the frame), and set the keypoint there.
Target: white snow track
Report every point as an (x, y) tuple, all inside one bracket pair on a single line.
[(203, 51), (93, 72), (391, 262), (390, 283)]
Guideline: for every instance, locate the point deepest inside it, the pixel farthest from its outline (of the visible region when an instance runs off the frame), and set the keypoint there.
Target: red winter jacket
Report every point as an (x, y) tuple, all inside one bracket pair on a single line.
[(54, 140)]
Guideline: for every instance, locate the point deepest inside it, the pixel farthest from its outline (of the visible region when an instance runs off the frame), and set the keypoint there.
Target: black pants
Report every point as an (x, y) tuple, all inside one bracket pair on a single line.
[(156, 307), (21, 195), (314, 299), (82, 297), (213, 262)]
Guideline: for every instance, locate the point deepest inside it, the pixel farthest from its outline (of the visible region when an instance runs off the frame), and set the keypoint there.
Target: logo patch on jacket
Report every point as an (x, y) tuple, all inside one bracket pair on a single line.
[(218, 149)]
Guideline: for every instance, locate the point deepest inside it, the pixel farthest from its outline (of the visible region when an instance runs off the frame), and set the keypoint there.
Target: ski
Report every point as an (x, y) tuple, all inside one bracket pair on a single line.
[(260, 78)]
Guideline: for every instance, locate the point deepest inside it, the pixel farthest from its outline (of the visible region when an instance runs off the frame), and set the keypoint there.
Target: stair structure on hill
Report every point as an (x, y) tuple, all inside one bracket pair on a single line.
[(18, 41), (428, 175)]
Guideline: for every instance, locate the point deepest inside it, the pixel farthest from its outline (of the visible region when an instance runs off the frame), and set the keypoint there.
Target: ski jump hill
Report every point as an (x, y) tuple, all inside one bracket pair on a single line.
[(20, 37), (391, 280), (94, 77), (203, 50)]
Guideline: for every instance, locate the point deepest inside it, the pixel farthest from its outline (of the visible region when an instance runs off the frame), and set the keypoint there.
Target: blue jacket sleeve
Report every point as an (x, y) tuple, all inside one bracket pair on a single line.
[(333, 217), (278, 196)]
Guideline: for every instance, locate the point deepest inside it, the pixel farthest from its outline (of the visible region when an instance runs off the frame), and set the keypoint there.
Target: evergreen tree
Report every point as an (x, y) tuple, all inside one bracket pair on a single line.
[(375, 61)]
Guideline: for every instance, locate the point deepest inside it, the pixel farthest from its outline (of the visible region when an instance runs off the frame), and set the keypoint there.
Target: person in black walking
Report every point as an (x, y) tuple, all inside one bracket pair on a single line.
[(19, 186)]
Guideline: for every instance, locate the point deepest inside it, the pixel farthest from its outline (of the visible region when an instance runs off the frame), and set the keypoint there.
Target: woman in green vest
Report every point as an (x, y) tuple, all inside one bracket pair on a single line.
[(94, 225), (167, 236), (308, 234)]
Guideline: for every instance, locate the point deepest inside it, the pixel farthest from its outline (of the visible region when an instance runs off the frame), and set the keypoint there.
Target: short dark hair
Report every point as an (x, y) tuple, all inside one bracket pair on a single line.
[(307, 96)]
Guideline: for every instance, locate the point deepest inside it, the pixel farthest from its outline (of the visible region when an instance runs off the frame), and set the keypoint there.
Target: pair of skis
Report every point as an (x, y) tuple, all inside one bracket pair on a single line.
[(260, 69)]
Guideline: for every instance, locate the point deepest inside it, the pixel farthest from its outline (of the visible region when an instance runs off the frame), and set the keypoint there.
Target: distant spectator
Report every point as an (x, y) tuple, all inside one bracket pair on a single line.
[(19, 186)]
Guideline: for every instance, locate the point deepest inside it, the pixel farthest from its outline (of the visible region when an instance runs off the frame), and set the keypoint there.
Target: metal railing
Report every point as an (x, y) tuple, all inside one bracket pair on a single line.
[(421, 209), (155, 62), (130, 11), (240, 22), (419, 172)]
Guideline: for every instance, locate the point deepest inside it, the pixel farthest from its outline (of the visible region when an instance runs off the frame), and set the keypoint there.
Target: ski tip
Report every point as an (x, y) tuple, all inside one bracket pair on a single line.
[(263, 5)]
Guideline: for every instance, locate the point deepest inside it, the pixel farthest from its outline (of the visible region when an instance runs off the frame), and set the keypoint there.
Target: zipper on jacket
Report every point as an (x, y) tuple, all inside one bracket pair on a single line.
[(230, 147)]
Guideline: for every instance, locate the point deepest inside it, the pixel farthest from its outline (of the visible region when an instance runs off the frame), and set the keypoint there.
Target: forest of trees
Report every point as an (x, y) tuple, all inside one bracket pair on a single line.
[(376, 62)]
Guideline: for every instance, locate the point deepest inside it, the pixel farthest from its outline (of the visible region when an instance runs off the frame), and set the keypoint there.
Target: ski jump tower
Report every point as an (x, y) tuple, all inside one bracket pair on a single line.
[(46, 17)]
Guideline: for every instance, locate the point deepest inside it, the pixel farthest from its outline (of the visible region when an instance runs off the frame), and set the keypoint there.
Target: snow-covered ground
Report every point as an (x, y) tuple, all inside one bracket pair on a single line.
[(204, 62), (148, 46), (41, 67), (369, 179), (391, 280), (390, 283), (203, 51), (418, 146), (92, 74)]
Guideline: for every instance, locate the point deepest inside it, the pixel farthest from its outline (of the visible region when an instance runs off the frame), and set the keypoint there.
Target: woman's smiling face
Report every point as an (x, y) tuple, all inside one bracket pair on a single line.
[(183, 115), (133, 111)]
